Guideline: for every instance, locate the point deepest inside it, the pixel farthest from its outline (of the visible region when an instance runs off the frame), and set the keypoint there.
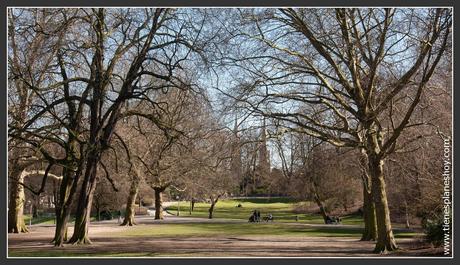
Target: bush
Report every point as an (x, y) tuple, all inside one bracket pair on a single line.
[(106, 215), (434, 230)]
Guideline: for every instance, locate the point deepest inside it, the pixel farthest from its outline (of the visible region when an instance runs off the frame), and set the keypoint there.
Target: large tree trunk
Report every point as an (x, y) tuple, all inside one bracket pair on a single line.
[(35, 205), (385, 238), (158, 203), (16, 203), (96, 141), (83, 214), (370, 223), (60, 234), (67, 189), (130, 211)]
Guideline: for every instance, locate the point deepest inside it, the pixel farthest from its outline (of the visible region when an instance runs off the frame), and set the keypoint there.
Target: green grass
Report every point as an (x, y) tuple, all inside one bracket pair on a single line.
[(236, 229), (282, 210), (47, 220), (39, 220), (242, 229)]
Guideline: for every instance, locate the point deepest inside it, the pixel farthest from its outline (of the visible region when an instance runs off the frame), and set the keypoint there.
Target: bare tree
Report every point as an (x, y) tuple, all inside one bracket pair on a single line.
[(124, 54), (334, 74), (215, 174), (30, 58)]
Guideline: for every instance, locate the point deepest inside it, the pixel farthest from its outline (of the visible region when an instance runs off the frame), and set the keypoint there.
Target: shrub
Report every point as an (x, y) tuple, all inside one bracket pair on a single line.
[(434, 230)]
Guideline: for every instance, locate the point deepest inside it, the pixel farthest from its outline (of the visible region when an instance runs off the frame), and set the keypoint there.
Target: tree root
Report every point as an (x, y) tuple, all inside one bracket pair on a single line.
[(128, 223), (385, 248), (80, 241)]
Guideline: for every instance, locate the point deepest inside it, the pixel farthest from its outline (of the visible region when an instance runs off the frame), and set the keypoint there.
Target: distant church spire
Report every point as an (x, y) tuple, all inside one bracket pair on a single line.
[(236, 163), (264, 158)]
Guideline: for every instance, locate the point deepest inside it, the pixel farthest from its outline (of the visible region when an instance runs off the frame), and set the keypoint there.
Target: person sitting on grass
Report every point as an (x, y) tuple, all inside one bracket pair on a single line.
[(269, 217), (253, 217)]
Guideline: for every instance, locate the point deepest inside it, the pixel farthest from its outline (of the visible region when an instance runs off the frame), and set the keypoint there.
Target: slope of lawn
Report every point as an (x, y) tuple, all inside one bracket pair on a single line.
[(244, 229), (282, 210)]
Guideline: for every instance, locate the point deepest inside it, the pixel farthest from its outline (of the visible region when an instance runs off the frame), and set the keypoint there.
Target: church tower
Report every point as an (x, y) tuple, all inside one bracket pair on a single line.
[(264, 155), (236, 163)]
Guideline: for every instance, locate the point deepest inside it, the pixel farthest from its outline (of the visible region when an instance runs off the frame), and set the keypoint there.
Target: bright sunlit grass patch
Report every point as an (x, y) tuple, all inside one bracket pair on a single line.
[(281, 208)]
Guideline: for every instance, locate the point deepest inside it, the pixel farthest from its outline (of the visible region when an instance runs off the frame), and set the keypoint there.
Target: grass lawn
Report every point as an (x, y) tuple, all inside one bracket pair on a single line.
[(282, 210), (243, 229), (48, 220)]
